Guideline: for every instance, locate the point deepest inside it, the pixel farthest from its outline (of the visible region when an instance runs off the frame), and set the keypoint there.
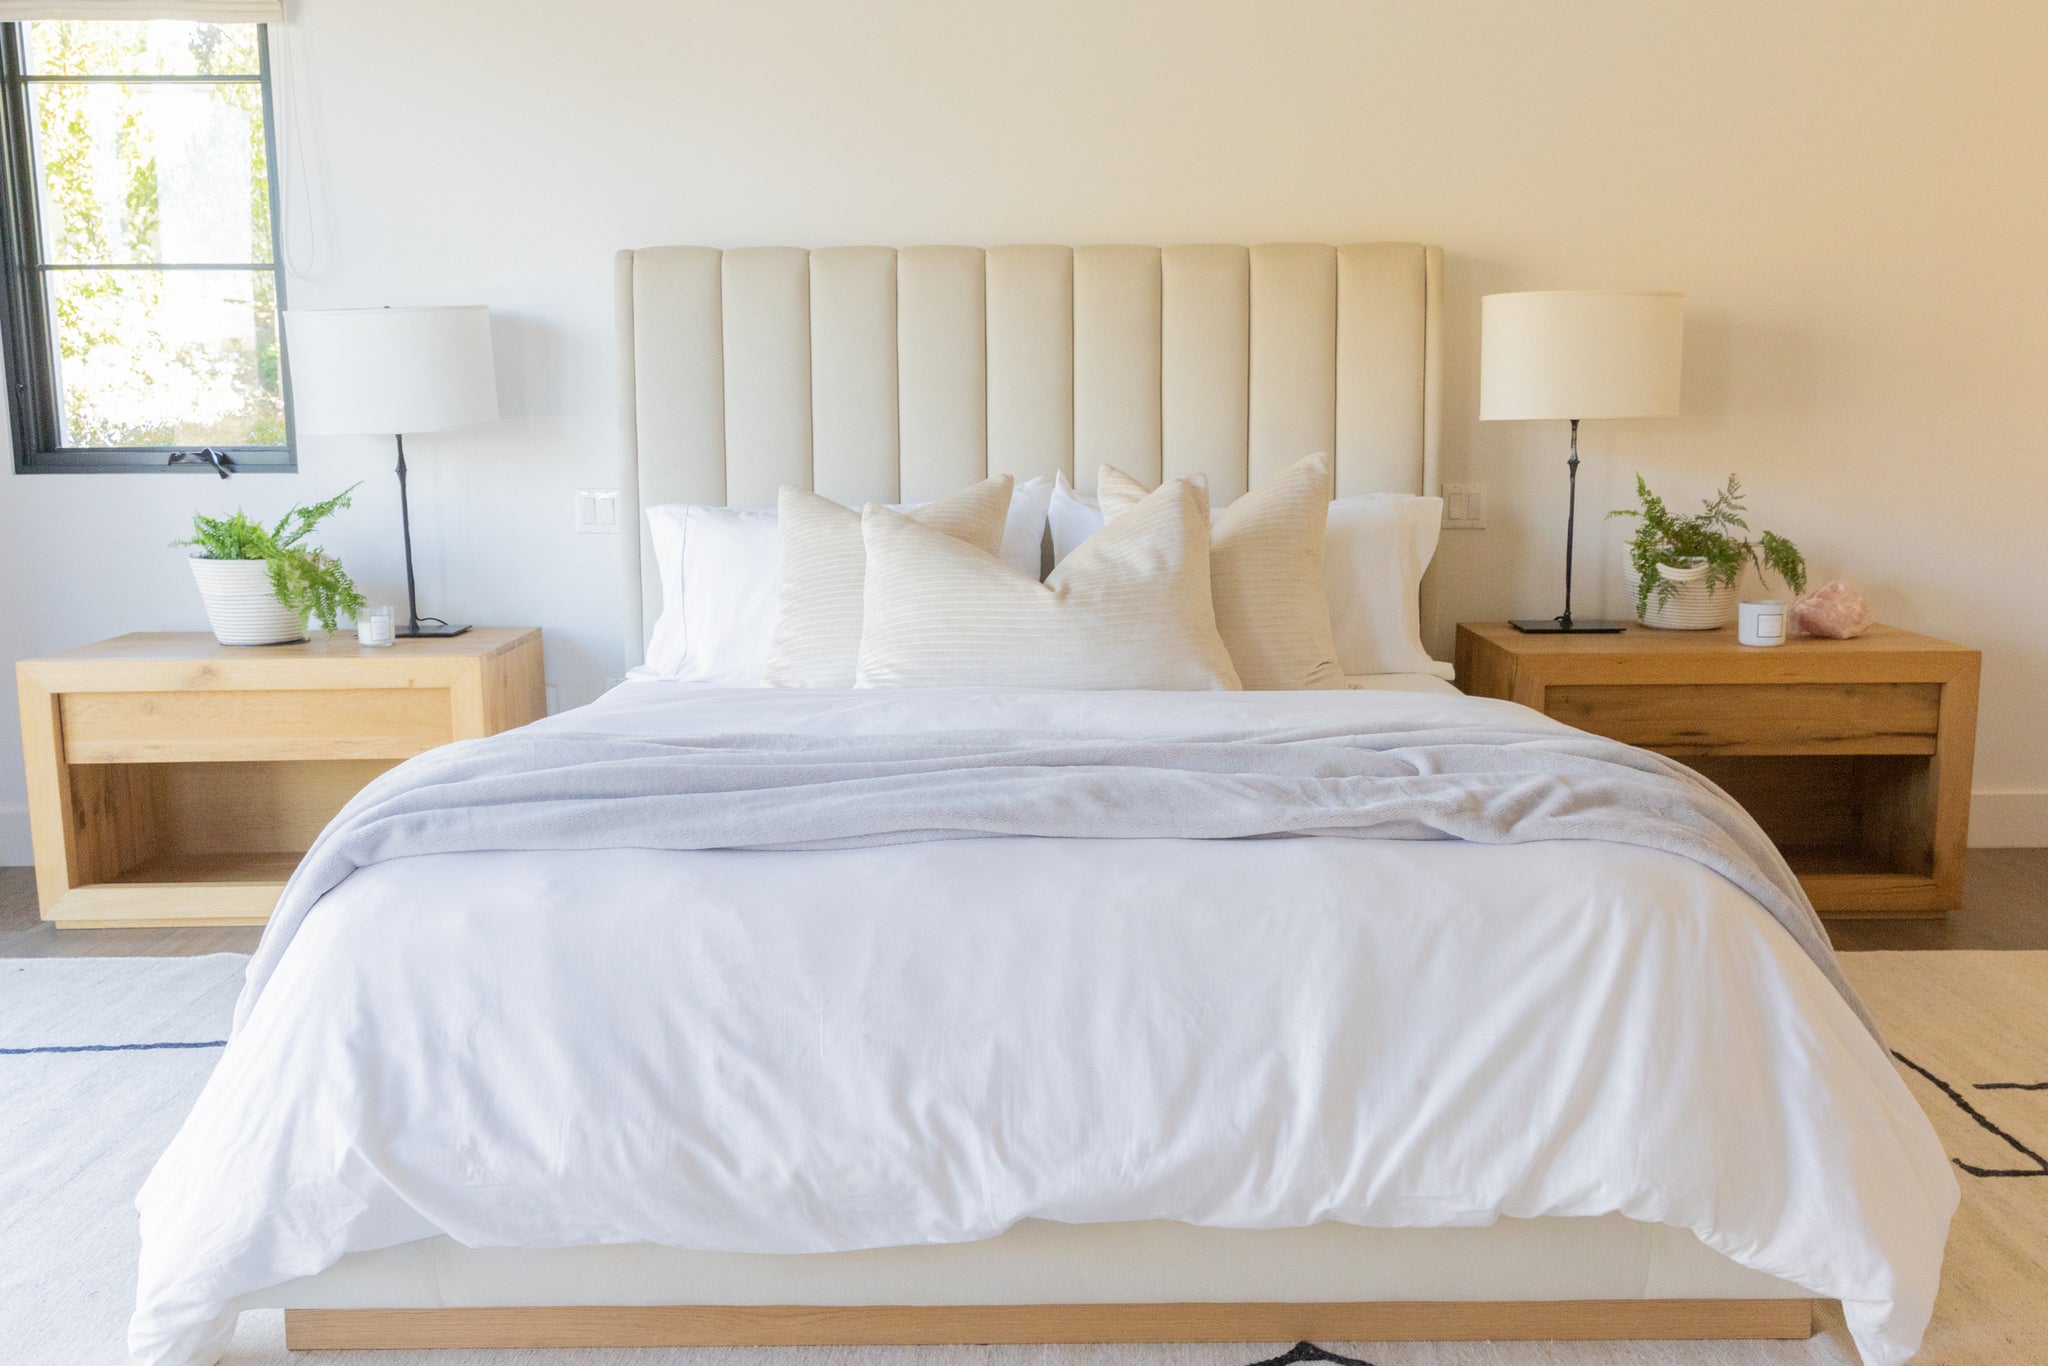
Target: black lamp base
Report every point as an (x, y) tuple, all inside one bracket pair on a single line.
[(1552, 626), (424, 630)]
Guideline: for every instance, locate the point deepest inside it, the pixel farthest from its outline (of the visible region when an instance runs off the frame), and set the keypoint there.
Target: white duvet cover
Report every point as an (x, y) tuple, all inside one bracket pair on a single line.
[(829, 1050)]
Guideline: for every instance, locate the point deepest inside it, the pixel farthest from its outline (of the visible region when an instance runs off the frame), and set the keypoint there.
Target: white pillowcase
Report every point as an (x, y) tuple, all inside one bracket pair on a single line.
[(719, 570), (1375, 550)]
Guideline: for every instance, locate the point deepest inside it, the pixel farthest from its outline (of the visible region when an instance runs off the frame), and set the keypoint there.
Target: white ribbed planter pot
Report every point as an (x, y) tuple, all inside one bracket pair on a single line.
[(1693, 607), (240, 603)]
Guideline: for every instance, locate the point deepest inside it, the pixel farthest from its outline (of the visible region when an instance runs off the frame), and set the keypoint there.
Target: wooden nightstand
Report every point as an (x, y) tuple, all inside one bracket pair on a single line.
[(176, 781), (1854, 755)]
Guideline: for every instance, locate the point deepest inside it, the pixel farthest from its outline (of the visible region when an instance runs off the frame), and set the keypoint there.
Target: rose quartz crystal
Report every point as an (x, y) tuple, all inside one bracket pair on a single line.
[(1834, 610)]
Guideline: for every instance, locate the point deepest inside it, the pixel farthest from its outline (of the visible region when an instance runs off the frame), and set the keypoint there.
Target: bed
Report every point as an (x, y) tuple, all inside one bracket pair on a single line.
[(1014, 1087)]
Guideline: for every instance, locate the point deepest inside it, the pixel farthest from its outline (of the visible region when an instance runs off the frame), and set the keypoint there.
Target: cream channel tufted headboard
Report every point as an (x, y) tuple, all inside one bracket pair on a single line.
[(901, 374)]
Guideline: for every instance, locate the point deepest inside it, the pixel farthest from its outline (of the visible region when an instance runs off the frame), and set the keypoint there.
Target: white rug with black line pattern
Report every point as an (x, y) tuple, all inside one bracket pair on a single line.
[(101, 1057)]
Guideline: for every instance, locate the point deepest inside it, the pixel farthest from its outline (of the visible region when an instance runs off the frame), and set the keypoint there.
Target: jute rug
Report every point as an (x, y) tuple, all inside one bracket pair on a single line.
[(80, 1128)]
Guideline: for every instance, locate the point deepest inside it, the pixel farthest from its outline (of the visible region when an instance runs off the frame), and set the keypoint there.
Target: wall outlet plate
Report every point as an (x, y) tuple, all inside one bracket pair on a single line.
[(597, 512), (1464, 507)]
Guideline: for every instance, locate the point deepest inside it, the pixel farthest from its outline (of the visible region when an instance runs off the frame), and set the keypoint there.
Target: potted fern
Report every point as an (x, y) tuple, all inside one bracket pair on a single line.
[(262, 584), (1690, 564)]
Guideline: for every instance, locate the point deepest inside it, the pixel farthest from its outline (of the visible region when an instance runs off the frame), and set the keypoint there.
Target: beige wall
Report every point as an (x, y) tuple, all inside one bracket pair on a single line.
[(1854, 196)]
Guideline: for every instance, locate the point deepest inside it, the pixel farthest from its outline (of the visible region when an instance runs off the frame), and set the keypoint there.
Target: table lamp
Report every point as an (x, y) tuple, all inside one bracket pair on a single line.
[(386, 372), (1575, 354)]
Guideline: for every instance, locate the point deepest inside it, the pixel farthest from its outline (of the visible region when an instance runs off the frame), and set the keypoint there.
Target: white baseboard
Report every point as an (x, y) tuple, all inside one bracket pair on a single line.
[(14, 846), (2009, 820), (1998, 820)]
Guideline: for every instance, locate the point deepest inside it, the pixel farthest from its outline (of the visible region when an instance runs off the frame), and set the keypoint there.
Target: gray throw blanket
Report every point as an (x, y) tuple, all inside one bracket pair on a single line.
[(571, 790)]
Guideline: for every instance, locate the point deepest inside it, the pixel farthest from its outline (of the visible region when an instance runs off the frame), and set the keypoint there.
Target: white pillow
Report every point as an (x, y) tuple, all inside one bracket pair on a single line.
[(1024, 533), (1374, 554), (719, 572), (1131, 609), (1375, 550)]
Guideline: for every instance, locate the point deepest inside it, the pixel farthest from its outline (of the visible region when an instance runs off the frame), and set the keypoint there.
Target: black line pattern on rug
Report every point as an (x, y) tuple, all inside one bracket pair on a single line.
[(111, 1047), (2011, 1086), (2040, 1167), (1308, 1351)]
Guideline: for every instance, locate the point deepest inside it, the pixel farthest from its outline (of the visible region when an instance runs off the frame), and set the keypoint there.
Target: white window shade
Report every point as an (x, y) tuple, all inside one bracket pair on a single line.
[(202, 11)]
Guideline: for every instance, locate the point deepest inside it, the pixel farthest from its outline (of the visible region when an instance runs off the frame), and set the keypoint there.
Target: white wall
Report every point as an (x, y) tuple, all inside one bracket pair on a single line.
[(1853, 194)]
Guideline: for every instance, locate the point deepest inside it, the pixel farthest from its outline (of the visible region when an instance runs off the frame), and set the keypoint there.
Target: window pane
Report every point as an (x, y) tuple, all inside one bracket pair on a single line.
[(167, 357), (152, 172), (131, 47)]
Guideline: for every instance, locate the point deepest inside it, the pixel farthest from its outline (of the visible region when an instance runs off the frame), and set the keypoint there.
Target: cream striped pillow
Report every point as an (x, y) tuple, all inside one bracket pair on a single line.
[(1130, 609), (817, 635), (1266, 573)]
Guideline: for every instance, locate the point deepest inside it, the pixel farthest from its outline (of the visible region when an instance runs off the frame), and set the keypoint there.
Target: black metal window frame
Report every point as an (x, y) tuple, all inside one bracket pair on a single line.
[(26, 345)]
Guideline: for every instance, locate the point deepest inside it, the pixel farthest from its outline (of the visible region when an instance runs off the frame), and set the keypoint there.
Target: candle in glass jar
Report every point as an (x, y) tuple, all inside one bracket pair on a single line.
[(377, 626)]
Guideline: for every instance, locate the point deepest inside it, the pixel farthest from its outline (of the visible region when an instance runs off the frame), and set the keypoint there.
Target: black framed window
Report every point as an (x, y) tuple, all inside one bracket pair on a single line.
[(139, 244)]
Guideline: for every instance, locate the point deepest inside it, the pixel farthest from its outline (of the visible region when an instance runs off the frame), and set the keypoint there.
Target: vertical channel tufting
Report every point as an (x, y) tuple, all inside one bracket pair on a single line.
[(742, 370), (1205, 366), (678, 430), (1116, 362), (1294, 355), (680, 418), (942, 336), (1381, 308), (1030, 361), (767, 373), (853, 374)]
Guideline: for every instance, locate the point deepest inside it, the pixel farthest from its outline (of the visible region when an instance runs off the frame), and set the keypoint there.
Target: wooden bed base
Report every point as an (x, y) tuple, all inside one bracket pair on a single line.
[(795, 1325)]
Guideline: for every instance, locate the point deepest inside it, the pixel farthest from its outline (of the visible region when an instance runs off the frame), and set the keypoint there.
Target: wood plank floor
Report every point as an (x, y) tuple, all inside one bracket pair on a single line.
[(2005, 906)]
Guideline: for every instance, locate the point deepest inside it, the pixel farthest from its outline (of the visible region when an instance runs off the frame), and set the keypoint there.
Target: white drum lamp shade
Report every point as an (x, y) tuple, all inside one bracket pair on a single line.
[(389, 371), (1573, 353)]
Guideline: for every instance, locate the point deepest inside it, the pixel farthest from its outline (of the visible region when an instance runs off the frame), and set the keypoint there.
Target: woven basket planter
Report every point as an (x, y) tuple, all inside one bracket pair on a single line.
[(1693, 606), (240, 604)]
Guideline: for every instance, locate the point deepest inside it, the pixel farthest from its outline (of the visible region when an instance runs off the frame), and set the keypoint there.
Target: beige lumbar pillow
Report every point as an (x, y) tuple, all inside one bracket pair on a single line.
[(1129, 609), (1266, 573), (823, 565)]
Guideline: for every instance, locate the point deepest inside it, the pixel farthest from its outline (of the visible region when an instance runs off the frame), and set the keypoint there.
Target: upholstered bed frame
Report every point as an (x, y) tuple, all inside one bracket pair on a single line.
[(901, 375)]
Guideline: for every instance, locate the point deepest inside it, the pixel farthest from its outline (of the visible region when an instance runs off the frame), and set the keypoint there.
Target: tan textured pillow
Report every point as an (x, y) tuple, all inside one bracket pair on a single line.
[(1266, 572), (823, 564), (1130, 609)]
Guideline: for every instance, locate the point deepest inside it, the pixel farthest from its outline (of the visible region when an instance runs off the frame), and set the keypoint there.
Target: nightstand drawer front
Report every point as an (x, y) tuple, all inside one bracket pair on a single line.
[(172, 727), (1756, 718)]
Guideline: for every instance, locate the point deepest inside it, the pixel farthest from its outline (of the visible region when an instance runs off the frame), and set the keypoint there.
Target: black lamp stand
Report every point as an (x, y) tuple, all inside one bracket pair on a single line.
[(415, 624), (1545, 626)]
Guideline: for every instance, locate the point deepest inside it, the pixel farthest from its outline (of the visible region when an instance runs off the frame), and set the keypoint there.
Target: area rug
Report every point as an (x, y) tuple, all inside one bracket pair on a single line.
[(101, 1057)]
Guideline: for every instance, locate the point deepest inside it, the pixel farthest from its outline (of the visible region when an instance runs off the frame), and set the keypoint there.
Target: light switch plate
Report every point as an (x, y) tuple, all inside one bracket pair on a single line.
[(1464, 507), (597, 512)]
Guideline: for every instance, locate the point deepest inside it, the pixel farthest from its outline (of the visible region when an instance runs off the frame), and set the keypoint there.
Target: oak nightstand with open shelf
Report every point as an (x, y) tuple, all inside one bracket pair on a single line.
[(176, 781), (1854, 755)]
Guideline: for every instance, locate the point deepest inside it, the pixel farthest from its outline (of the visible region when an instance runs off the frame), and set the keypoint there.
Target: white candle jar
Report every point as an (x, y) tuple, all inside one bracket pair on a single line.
[(1763, 623)]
